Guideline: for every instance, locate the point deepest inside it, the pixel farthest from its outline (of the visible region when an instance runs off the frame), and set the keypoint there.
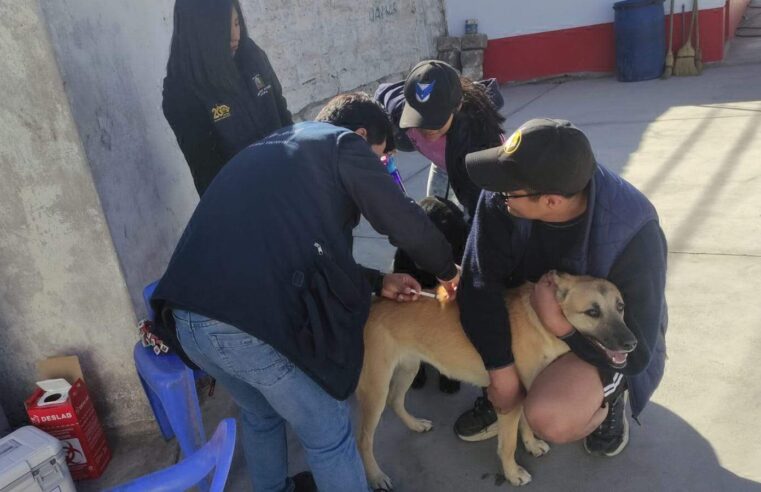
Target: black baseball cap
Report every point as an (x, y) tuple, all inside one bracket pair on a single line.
[(544, 155), (432, 93)]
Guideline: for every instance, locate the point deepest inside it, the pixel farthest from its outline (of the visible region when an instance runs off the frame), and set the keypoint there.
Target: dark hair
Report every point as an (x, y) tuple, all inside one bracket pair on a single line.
[(356, 110), (479, 108), (200, 49)]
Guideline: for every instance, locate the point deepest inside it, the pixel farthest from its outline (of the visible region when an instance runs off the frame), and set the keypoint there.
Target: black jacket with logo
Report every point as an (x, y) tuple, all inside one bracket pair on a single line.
[(212, 127)]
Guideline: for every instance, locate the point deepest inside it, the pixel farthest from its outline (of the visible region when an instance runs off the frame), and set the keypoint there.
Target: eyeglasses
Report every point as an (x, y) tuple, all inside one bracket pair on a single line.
[(508, 196)]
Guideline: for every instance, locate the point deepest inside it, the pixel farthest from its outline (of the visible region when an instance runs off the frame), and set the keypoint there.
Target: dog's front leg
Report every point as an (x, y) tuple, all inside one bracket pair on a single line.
[(508, 442), (533, 444)]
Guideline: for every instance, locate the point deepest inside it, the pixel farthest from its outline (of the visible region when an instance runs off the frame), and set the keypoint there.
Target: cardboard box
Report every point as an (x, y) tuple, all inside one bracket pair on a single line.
[(62, 407)]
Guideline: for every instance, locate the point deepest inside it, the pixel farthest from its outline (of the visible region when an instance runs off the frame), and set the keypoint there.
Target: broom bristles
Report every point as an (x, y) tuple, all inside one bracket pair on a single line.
[(685, 61)]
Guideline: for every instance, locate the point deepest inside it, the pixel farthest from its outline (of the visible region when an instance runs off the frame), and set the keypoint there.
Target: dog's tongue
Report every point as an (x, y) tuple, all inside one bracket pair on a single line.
[(618, 358)]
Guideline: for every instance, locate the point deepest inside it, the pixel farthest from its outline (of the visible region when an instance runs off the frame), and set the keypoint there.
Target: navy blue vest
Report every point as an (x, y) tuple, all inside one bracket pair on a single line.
[(617, 212), (299, 290)]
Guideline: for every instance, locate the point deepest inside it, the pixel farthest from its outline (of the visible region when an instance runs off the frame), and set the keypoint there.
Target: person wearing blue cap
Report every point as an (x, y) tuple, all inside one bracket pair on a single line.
[(444, 116)]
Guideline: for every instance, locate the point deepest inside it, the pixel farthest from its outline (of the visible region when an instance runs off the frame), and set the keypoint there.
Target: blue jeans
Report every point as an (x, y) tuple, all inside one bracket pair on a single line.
[(270, 390)]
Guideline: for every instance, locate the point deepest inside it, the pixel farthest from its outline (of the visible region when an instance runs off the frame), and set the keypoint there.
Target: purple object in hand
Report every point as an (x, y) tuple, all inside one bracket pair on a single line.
[(390, 162)]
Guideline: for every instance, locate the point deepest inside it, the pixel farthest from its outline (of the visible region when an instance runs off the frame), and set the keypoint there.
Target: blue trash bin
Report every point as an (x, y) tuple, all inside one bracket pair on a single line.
[(640, 27)]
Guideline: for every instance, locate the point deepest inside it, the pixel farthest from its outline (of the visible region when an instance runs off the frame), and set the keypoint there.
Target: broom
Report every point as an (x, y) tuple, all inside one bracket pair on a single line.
[(698, 51), (669, 68), (685, 57)]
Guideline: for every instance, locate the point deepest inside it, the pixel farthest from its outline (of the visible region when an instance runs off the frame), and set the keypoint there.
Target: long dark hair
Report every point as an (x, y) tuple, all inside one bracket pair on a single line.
[(476, 105), (200, 49)]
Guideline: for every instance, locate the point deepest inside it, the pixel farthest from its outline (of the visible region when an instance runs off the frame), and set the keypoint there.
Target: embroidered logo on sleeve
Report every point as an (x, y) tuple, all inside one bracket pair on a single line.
[(259, 81), (220, 112), (261, 85)]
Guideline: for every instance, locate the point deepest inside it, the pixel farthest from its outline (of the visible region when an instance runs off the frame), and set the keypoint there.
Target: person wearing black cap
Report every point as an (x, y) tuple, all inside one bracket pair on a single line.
[(547, 204), (444, 116)]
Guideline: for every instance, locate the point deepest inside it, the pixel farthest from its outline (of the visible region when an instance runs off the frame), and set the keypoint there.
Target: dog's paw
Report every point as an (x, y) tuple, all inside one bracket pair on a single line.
[(519, 476), (537, 447), (380, 481), (421, 425)]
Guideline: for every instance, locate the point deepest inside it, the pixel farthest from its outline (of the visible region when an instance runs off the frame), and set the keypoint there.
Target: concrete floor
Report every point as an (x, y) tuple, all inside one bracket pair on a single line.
[(693, 145)]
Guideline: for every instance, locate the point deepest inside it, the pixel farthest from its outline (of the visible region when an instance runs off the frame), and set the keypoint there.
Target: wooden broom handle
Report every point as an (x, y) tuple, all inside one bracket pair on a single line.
[(692, 22), (697, 25), (671, 28)]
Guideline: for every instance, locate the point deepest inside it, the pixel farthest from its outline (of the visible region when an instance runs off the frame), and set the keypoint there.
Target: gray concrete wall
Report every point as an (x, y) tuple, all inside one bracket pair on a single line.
[(61, 288), (324, 47)]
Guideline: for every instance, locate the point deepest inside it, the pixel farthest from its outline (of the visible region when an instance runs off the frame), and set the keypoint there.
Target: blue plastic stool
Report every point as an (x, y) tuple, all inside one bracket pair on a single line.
[(171, 390), (217, 455)]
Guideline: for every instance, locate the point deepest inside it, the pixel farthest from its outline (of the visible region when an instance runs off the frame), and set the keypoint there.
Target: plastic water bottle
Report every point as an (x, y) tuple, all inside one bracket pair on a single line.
[(390, 162)]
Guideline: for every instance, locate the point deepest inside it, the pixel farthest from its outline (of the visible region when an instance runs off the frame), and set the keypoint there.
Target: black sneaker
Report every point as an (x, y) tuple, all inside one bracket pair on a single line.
[(304, 482), (478, 423), (613, 434)]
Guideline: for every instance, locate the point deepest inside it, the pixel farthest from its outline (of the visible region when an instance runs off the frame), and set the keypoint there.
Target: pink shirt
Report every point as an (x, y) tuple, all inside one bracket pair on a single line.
[(435, 151)]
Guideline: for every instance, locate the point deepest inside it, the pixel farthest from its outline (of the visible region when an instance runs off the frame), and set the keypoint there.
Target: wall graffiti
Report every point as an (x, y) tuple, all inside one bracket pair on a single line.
[(382, 11)]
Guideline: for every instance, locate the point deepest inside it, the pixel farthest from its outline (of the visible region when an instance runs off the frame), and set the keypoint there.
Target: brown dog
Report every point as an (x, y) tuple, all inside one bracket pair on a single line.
[(399, 336)]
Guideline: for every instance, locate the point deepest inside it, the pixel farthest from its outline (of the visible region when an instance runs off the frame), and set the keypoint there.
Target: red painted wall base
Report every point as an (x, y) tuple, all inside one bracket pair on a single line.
[(585, 49)]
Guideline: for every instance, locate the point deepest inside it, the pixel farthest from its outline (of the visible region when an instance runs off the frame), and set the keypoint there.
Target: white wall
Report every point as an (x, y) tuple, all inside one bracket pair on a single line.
[(61, 289), (321, 48), (506, 18)]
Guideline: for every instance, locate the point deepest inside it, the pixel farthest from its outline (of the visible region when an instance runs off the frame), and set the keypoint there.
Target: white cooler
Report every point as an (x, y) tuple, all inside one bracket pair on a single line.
[(33, 461)]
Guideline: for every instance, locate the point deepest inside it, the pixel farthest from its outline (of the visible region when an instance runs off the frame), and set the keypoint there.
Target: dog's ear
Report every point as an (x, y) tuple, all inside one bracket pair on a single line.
[(563, 282)]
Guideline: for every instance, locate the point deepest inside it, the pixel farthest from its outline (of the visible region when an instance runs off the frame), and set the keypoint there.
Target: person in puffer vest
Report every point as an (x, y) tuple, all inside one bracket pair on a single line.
[(548, 205)]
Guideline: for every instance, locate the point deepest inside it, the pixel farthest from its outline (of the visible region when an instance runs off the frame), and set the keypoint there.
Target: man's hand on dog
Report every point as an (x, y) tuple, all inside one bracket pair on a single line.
[(400, 287), (505, 390), (545, 303), (451, 285)]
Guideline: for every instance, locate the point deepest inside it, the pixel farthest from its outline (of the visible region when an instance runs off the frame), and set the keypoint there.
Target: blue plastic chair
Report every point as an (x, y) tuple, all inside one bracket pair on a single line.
[(217, 455), (171, 390)]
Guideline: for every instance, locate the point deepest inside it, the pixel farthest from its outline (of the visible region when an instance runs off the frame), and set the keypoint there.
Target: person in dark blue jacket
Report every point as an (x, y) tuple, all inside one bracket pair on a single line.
[(266, 296), (549, 205), (220, 91)]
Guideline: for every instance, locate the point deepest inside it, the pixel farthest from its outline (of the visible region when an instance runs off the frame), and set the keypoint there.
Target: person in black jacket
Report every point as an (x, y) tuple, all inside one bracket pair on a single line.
[(444, 117), (220, 92), (267, 298)]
